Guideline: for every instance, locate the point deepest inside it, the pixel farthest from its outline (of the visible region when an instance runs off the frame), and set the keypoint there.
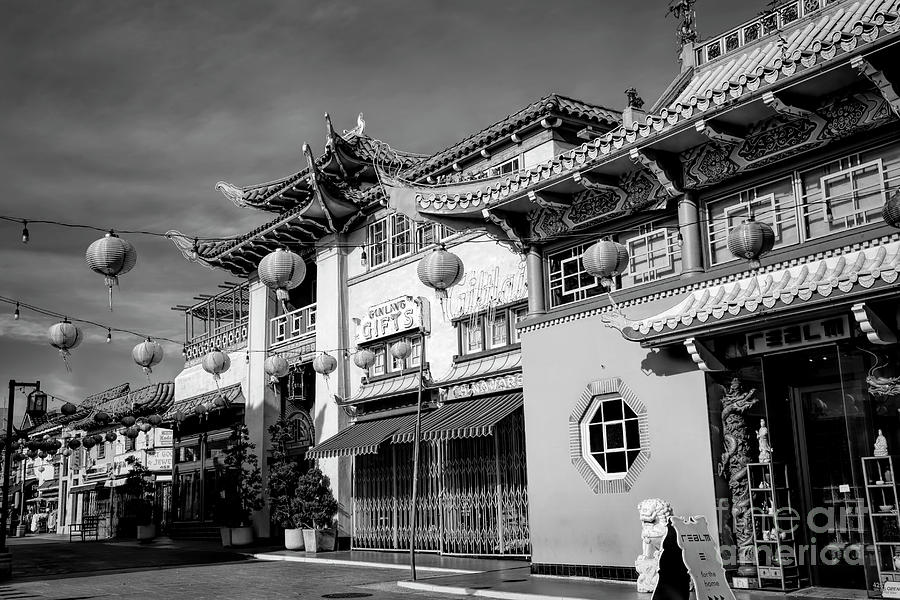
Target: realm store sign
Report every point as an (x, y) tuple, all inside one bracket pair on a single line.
[(809, 333), (394, 316)]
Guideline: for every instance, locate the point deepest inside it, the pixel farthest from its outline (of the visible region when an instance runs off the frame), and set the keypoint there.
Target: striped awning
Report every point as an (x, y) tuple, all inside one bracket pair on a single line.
[(361, 438), (467, 419), (86, 487)]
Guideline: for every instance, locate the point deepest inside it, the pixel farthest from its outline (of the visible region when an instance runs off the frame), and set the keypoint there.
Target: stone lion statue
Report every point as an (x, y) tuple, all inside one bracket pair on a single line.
[(654, 514)]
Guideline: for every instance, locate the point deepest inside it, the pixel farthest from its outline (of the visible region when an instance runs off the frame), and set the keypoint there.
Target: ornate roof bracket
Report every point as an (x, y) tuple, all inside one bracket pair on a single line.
[(548, 200), (593, 181), (653, 165), (783, 108), (880, 80), (703, 356), (508, 223), (347, 163), (875, 328), (718, 132), (233, 193), (317, 190)]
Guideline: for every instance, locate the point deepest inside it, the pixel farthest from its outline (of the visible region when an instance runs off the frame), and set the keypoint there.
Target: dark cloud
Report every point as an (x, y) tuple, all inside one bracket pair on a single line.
[(125, 114)]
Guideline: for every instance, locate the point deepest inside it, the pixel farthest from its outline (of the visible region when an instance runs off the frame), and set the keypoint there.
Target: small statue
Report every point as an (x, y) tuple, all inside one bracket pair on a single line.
[(881, 448), (888, 476), (654, 514), (765, 448)]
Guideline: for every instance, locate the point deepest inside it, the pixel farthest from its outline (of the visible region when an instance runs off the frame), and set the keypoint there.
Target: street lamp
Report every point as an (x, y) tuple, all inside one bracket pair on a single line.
[(37, 402)]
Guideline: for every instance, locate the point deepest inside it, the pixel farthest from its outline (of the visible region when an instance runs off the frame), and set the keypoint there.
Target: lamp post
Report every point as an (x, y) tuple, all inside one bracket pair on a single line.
[(36, 398), (414, 513)]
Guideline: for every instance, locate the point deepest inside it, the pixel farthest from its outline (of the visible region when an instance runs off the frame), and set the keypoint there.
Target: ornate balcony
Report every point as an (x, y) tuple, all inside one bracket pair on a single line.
[(294, 331), (229, 337)]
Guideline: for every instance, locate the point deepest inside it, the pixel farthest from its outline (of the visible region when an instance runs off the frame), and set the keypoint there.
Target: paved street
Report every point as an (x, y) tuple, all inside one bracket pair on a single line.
[(246, 580)]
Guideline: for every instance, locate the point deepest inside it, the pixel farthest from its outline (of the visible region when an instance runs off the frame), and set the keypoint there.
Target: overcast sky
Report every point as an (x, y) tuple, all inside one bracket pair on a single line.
[(124, 114)]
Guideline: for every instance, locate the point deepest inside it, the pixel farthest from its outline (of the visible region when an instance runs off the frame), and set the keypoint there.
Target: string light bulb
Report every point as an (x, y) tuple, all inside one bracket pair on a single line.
[(195, 249), (16, 312), (109, 336), (364, 259), (25, 235)]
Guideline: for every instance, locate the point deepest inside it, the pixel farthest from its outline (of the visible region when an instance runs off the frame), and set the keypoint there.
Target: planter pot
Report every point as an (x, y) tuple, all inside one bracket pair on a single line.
[(319, 540), (293, 539), (241, 536), (146, 532)]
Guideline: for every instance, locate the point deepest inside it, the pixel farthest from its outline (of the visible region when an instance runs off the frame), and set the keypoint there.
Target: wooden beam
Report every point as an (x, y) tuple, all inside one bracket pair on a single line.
[(873, 325), (548, 200), (718, 132), (783, 108), (506, 222), (641, 158), (595, 181), (880, 80), (703, 356)]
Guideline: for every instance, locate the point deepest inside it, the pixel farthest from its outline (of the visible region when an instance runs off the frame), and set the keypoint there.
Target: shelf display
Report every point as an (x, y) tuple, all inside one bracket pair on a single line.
[(775, 523), (881, 494)]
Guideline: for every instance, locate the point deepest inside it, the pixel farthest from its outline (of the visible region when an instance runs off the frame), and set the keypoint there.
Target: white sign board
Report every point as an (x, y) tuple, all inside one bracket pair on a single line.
[(159, 459), (689, 550), (488, 385), (890, 589), (394, 316), (162, 438)]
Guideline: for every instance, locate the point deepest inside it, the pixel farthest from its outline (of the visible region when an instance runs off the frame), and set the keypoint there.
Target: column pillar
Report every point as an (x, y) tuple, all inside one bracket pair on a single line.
[(332, 335), (262, 405), (691, 240), (534, 268)]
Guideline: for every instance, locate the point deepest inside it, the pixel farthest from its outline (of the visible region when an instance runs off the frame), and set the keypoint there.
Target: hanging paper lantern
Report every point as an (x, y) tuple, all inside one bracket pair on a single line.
[(751, 239), (401, 350), (111, 436), (131, 432), (324, 364), (179, 415), (33, 444), (103, 418), (145, 427), (64, 336), (219, 402), (67, 452), (890, 212), (605, 260), (281, 271), (18, 457), (200, 409), (42, 453), (215, 363), (364, 359), (68, 409), (74, 444), (155, 420), (276, 367), (127, 421), (98, 438), (147, 355), (111, 256), (440, 270), (32, 454)]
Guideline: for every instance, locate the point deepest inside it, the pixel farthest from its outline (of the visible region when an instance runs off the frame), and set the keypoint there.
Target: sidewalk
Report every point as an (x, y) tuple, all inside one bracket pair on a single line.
[(425, 563)]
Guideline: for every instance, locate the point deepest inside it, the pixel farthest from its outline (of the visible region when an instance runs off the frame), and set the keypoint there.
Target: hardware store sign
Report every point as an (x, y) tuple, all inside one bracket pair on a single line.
[(485, 386)]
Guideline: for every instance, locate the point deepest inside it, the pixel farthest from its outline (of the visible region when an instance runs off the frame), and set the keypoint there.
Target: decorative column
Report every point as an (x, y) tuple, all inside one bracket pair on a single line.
[(262, 407), (534, 267), (332, 335), (691, 240)]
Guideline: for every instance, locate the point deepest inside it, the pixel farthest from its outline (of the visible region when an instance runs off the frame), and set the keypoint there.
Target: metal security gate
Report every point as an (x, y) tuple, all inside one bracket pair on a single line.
[(473, 497)]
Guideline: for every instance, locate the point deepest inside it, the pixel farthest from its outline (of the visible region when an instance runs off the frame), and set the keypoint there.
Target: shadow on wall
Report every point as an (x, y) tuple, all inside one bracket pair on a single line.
[(668, 361)]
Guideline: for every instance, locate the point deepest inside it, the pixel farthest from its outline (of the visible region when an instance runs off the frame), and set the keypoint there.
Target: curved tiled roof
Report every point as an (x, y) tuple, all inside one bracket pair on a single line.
[(113, 392), (155, 398), (232, 395)]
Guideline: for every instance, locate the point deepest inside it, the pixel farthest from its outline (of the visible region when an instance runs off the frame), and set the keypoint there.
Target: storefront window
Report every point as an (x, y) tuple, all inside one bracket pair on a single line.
[(188, 453)]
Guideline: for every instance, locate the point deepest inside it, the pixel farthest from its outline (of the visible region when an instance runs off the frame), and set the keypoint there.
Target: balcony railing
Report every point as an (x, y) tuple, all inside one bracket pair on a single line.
[(296, 325), (229, 337)]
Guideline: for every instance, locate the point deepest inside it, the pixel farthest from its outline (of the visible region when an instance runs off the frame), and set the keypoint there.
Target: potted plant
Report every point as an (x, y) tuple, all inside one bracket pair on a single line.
[(284, 476), (316, 508), (140, 490), (242, 489)]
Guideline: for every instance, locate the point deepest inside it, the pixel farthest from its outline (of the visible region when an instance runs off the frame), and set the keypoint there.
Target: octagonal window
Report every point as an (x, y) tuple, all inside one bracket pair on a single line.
[(612, 436)]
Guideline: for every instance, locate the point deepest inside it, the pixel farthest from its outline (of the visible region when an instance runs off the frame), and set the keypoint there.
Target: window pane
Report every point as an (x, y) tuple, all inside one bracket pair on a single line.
[(601, 460), (633, 433), (472, 336), (616, 462), (612, 410), (377, 234), (654, 253), (842, 195), (629, 414), (615, 436), (401, 236), (568, 282), (378, 367), (498, 332), (518, 314), (632, 456), (596, 438)]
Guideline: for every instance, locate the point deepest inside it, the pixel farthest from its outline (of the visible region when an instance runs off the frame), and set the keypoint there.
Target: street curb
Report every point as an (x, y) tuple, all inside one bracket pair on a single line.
[(356, 563), (464, 591)]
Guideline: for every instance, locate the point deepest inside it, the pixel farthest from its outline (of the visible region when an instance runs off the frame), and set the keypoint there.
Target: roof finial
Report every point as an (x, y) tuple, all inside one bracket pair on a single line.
[(634, 100), (683, 10)]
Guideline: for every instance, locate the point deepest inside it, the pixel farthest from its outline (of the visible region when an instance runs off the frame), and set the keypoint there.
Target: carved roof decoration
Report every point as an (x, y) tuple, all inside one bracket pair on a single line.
[(232, 395)]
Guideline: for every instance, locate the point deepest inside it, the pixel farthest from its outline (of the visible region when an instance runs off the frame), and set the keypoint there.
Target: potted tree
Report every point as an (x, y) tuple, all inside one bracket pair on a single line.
[(316, 508), (284, 476), (140, 490), (242, 489)]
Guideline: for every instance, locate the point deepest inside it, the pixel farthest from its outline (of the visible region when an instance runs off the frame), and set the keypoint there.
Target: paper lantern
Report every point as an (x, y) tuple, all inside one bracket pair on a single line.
[(110, 256), (89, 442), (890, 212), (750, 240), (200, 409), (111, 436), (179, 416), (155, 420), (219, 402), (215, 363), (67, 452), (131, 432), (364, 359), (282, 271), (145, 427), (98, 438), (68, 409), (103, 418), (64, 336), (440, 270), (147, 355), (401, 350), (127, 421), (324, 364), (276, 367), (42, 453), (74, 444), (605, 260)]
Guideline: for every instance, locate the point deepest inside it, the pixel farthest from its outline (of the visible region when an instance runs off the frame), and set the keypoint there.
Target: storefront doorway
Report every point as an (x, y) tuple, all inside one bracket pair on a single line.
[(821, 421)]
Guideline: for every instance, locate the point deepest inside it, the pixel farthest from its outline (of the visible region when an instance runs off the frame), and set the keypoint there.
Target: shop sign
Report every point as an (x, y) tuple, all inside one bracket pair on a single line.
[(799, 335), (481, 387), (162, 438), (891, 589), (480, 290), (394, 316), (689, 550), (160, 459)]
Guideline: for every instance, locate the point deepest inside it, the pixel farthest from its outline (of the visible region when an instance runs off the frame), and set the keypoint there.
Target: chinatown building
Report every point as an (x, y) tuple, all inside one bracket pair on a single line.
[(353, 399), (761, 395)]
